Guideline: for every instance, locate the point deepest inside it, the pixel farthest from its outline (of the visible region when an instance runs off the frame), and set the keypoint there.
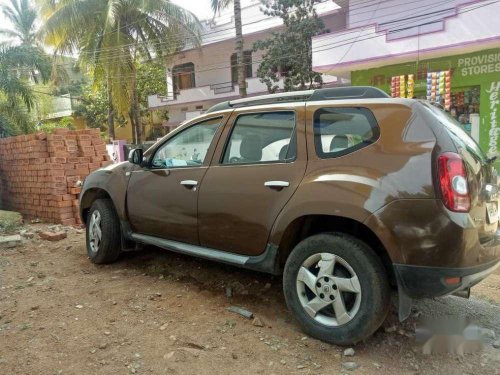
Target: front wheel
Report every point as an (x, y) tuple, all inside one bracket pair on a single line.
[(103, 232), (337, 288)]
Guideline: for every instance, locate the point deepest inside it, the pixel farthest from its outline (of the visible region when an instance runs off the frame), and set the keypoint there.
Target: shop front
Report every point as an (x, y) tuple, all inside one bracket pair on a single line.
[(468, 86)]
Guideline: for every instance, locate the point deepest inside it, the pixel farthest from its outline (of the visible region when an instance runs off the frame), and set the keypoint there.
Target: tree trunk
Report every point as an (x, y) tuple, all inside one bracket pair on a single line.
[(111, 112), (239, 49), (135, 109), (132, 125)]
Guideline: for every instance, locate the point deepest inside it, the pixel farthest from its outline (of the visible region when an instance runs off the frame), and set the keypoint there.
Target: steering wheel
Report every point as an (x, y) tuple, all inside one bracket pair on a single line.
[(158, 163), (234, 159)]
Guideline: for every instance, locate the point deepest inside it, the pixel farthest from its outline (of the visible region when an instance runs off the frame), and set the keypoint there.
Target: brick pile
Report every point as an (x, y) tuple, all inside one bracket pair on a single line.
[(39, 172)]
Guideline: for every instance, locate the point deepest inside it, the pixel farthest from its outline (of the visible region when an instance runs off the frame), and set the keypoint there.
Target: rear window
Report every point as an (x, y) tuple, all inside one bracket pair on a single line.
[(459, 136), (340, 131)]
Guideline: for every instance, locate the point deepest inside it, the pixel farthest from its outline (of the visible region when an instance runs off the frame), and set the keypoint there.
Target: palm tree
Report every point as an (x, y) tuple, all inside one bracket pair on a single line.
[(16, 93), (113, 36), (217, 6), (23, 30), (23, 17)]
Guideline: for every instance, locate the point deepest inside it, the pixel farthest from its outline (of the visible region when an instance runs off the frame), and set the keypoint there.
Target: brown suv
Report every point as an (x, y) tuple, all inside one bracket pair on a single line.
[(345, 191)]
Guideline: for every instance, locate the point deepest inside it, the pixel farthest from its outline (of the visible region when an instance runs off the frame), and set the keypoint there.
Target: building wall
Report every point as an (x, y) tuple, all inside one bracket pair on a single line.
[(212, 66), (397, 17), (466, 28)]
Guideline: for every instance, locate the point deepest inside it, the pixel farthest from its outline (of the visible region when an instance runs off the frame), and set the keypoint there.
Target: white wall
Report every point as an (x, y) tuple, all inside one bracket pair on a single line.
[(471, 29), (394, 15)]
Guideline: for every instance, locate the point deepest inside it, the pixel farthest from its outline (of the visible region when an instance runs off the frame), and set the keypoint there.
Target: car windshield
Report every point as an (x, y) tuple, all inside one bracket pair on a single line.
[(457, 133)]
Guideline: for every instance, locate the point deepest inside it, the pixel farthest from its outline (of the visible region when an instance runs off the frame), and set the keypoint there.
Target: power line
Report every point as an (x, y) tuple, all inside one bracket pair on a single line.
[(121, 53), (119, 50), (336, 44), (331, 45)]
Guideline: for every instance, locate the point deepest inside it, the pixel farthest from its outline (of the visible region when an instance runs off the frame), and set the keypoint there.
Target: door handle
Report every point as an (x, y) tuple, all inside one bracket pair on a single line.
[(276, 184), (190, 184)]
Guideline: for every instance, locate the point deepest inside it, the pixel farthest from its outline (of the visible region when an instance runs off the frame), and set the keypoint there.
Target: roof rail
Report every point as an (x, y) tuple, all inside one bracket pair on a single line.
[(335, 93)]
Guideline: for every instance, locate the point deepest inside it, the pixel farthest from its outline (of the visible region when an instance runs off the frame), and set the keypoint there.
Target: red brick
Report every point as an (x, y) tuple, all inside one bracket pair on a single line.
[(52, 236), (69, 221)]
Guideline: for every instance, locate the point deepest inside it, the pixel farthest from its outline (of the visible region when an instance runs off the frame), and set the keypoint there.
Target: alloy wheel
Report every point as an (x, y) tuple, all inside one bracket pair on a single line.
[(95, 231), (328, 289)]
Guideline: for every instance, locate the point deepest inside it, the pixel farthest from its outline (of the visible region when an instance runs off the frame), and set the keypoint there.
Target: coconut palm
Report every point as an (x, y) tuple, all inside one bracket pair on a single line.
[(22, 16), (217, 6), (17, 98), (112, 36)]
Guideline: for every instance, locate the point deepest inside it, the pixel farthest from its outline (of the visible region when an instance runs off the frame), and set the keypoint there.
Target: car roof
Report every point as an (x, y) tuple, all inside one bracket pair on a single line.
[(335, 93)]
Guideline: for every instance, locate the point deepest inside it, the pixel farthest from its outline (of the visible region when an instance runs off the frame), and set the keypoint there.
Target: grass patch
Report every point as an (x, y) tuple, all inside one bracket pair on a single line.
[(10, 221)]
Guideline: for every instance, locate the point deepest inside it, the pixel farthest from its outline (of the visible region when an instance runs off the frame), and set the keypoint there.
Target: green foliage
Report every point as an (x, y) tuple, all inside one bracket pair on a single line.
[(10, 221), (94, 105), (17, 98), (288, 53), (14, 119), (22, 17), (50, 126), (151, 80), (112, 35)]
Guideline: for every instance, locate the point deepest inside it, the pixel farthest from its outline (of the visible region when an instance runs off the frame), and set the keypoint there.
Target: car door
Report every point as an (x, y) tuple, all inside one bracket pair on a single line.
[(162, 197), (252, 176)]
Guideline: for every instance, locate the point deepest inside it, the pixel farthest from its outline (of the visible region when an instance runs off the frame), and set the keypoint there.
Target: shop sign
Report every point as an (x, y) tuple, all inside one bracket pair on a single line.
[(479, 64), (494, 101)]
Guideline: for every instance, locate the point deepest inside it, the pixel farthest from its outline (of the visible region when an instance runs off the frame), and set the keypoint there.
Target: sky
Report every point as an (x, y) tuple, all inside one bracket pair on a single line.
[(201, 8)]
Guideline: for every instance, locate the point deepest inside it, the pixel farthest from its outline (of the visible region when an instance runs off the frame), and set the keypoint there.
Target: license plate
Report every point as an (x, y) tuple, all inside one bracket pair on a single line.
[(492, 209)]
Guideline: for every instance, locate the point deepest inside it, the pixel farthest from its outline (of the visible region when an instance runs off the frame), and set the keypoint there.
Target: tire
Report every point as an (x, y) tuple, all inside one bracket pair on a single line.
[(366, 301), (106, 248)]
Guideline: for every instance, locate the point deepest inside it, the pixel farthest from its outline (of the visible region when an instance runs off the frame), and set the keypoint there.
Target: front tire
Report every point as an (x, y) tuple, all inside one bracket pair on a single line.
[(337, 288), (103, 232)]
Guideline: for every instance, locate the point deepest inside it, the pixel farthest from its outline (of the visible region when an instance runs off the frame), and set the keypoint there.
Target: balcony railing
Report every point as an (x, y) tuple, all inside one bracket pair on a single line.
[(222, 88)]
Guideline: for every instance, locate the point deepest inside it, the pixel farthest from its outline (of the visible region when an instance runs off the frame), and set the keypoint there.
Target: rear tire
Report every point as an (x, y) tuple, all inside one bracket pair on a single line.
[(103, 232), (337, 288)]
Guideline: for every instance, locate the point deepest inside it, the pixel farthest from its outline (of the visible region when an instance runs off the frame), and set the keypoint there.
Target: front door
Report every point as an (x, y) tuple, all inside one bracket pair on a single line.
[(252, 176), (162, 198)]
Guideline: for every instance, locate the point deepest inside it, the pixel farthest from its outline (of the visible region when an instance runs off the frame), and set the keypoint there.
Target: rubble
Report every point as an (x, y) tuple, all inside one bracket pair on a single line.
[(10, 241), (349, 352), (350, 365), (52, 236), (257, 322), (238, 310)]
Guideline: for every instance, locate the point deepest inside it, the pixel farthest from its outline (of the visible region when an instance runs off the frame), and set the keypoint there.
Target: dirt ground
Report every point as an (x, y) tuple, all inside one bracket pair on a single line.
[(155, 312)]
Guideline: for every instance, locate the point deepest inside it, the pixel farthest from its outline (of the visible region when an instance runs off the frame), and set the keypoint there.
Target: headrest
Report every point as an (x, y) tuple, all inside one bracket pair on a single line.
[(339, 142), (283, 152), (251, 148)]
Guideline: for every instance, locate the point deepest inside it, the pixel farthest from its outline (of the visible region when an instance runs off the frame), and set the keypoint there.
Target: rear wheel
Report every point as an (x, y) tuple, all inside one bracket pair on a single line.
[(103, 232), (337, 288)]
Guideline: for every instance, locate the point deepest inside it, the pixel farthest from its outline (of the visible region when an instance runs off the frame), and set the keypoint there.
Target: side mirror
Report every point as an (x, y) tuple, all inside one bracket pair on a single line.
[(135, 156)]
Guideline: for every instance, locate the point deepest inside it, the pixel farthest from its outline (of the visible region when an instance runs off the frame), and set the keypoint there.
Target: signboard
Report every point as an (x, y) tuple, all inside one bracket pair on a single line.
[(474, 69)]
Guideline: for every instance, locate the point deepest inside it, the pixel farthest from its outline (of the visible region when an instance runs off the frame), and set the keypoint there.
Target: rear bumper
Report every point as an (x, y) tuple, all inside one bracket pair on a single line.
[(427, 282)]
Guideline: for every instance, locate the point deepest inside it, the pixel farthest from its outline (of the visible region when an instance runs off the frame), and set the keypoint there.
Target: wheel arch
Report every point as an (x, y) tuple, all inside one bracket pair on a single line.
[(88, 197), (307, 225)]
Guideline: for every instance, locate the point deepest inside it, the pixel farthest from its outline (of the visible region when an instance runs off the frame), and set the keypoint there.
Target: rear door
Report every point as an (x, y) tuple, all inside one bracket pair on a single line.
[(254, 172)]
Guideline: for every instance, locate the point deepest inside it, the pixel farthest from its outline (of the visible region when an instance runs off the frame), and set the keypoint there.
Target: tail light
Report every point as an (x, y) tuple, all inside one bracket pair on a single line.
[(453, 182)]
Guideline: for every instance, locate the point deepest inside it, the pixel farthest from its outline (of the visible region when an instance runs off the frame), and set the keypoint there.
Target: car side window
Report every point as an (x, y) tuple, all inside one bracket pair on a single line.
[(188, 148), (340, 131), (264, 137)]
